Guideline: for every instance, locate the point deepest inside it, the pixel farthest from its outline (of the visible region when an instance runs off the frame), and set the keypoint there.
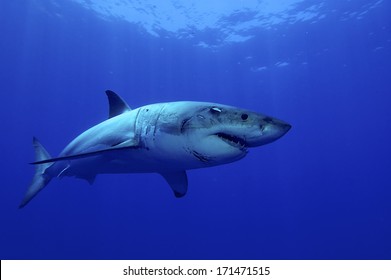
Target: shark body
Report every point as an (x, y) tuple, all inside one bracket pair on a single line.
[(165, 138)]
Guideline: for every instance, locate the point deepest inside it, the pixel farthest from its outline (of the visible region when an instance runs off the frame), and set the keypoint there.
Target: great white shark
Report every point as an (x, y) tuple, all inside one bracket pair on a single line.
[(165, 138)]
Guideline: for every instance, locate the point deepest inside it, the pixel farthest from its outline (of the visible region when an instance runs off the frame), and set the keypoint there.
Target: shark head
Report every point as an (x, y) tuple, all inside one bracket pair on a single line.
[(215, 132)]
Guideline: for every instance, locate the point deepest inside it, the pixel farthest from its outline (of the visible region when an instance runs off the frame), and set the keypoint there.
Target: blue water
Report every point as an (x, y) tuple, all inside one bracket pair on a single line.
[(322, 191)]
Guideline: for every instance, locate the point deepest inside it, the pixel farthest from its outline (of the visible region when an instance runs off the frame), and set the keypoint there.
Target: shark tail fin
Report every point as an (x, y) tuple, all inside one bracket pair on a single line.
[(40, 179)]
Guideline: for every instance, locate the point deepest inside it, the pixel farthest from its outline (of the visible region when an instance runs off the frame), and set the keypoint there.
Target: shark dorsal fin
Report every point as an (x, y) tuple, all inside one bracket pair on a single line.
[(117, 104)]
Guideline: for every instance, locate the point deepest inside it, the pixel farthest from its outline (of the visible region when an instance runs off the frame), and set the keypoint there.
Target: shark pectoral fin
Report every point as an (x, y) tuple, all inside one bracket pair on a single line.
[(117, 105), (177, 181), (128, 144), (133, 142)]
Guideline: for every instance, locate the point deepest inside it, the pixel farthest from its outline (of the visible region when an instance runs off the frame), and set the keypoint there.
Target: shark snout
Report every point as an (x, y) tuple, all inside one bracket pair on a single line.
[(276, 128), (270, 130), (281, 126)]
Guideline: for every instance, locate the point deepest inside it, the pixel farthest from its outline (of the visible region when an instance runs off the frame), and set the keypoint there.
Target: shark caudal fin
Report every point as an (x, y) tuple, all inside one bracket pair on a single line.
[(40, 179)]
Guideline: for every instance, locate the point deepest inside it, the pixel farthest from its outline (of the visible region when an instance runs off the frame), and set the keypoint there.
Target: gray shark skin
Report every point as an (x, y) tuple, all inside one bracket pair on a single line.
[(165, 138)]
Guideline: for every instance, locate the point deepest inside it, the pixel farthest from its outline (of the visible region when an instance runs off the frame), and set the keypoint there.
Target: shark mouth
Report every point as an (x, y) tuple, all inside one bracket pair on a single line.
[(233, 140)]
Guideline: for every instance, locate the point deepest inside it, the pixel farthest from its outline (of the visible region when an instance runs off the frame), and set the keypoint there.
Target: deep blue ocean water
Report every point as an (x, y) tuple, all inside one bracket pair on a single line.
[(322, 191)]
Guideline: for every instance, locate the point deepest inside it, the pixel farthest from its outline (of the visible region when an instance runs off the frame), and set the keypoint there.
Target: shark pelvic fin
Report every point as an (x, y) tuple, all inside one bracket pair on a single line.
[(40, 179), (177, 181), (89, 178), (117, 105)]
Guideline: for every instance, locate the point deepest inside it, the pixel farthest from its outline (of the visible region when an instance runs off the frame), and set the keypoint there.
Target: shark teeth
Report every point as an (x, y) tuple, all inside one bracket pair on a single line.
[(233, 140)]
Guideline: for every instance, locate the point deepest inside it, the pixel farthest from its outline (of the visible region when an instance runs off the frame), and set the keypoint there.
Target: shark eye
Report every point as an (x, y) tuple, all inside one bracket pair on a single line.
[(215, 110), (244, 117)]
